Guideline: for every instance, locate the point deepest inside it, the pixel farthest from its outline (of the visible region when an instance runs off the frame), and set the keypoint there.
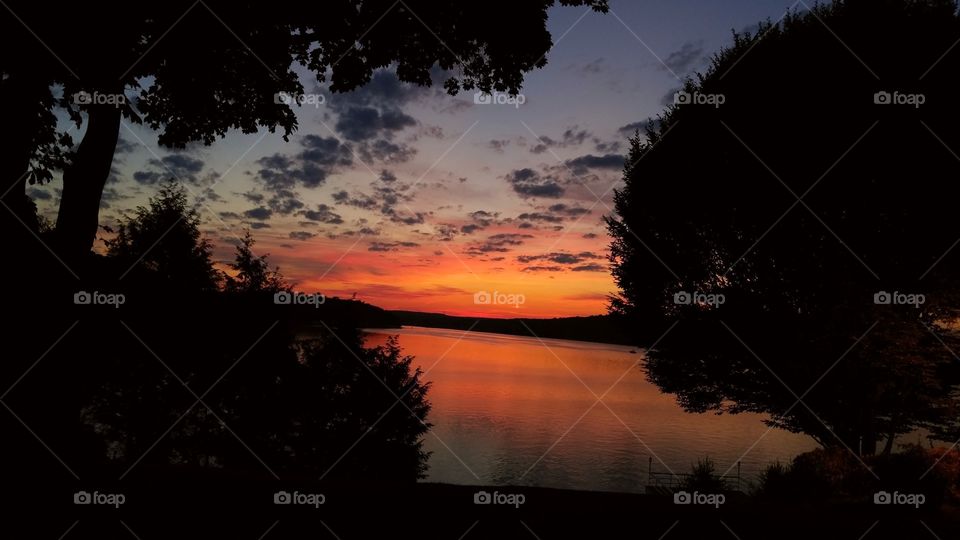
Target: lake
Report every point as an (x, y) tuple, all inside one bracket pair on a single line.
[(512, 410)]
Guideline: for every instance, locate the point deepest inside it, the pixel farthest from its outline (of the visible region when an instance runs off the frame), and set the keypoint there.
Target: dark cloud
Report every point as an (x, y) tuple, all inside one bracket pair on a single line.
[(630, 129), (385, 151), (387, 176), (583, 164), (593, 67), (323, 214), (257, 224), (43, 195), (543, 269), (391, 246), (567, 210), (302, 235), (260, 213), (590, 235), (688, 55), (365, 123), (573, 136), (540, 216), (498, 243), (173, 166), (498, 145), (124, 146), (319, 158), (528, 183), (560, 257), (592, 267)]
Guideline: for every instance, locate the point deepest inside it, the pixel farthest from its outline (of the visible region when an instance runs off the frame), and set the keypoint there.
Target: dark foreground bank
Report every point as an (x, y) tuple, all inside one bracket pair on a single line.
[(170, 506)]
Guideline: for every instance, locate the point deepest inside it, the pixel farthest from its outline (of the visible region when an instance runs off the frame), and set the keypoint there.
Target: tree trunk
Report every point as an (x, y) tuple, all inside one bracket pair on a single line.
[(888, 447), (83, 183)]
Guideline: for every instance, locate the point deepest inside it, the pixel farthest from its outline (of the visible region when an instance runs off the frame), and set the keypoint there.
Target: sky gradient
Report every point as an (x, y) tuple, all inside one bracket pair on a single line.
[(414, 199)]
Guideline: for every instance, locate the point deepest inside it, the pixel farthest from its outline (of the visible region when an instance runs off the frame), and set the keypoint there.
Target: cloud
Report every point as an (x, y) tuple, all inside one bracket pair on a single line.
[(261, 213), (592, 267), (559, 257), (543, 269), (498, 243), (359, 124), (681, 60), (573, 136), (319, 158), (302, 235), (498, 145), (384, 151), (583, 164), (641, 126), (540, 216), (387, 176), (170, 167), (528, 183), (323, 214), (391, 246), (593, 67)]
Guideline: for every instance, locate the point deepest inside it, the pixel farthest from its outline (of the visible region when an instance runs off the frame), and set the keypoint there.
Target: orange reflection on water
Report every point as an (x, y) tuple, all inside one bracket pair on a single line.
[(517, 410)]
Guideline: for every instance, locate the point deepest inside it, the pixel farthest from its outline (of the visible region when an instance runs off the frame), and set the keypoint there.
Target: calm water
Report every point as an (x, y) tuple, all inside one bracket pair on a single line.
[(515, 410)]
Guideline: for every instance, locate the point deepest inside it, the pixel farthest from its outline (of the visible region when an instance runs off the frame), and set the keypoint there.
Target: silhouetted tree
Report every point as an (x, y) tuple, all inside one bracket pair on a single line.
[(199, 70), (164, 239), (799, 177), (253, 273)]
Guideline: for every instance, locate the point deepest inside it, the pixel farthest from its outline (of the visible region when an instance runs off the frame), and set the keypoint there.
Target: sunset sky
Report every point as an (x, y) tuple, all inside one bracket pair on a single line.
[(414, 199)]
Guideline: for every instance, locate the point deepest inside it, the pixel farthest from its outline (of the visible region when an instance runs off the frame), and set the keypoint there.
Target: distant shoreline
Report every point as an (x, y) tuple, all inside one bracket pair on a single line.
[(603, 329)]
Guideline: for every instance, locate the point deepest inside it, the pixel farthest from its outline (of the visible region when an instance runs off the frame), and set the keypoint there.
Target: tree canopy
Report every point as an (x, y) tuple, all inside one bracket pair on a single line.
[(794, 214), (195, 70)]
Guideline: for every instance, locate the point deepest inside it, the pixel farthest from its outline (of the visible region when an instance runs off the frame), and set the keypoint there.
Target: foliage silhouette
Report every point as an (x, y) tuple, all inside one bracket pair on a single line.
[(200, 70), (185, 376), (799, 199)]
